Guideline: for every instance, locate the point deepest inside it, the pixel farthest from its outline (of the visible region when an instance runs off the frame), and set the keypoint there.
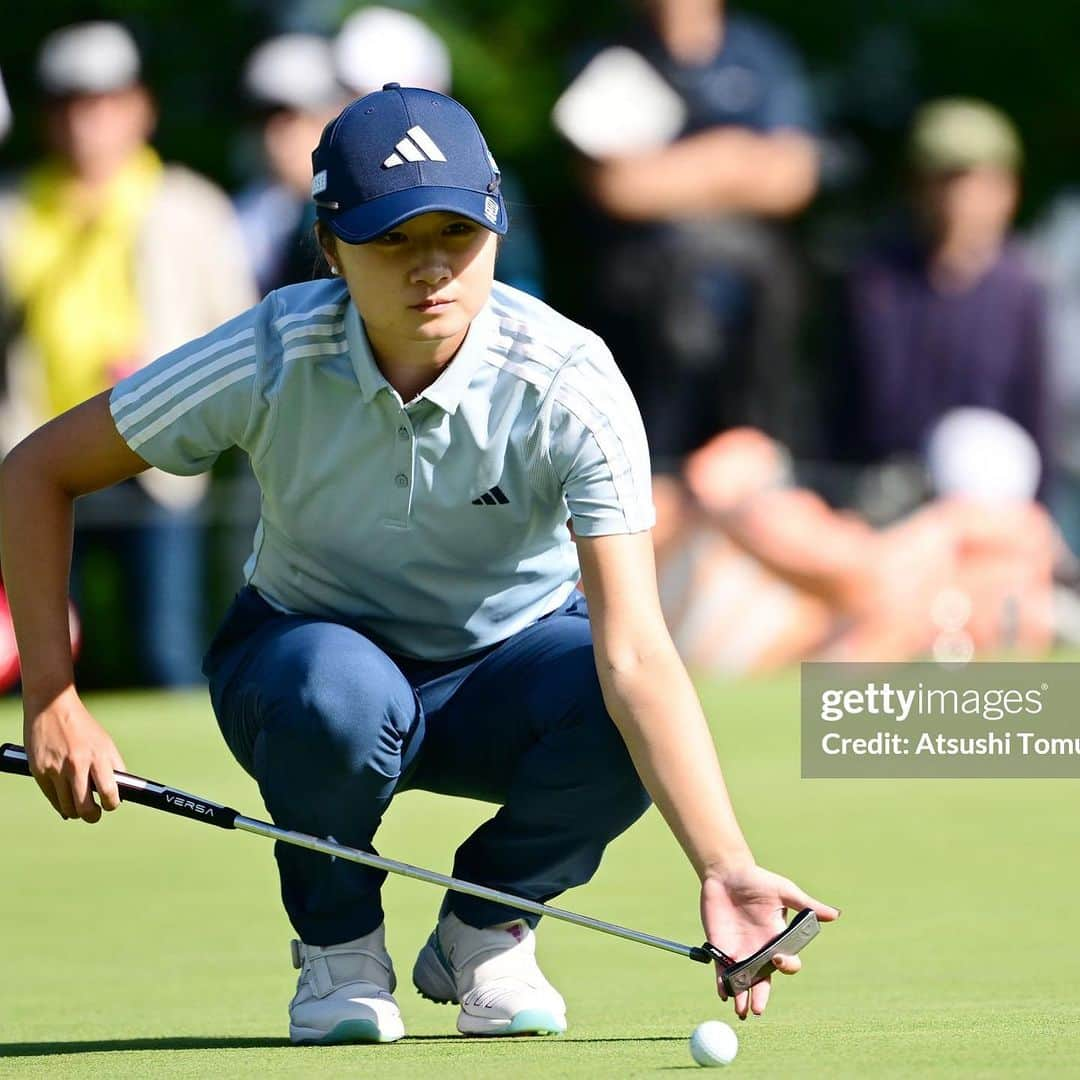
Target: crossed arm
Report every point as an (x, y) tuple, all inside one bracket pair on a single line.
[(721, 169)]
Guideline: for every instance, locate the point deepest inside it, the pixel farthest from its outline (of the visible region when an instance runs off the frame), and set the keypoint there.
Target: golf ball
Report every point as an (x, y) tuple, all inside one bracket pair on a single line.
[(714, 1043)]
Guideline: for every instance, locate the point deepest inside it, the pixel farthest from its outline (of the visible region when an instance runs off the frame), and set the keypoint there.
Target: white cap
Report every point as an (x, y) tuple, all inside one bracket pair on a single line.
[(984, 455), (619, 104), (294, 71), (88, 58), (5, 111), (379, 45)]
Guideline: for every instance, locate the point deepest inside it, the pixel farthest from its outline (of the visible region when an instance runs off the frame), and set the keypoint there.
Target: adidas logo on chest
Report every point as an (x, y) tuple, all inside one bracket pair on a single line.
[(492, 497)]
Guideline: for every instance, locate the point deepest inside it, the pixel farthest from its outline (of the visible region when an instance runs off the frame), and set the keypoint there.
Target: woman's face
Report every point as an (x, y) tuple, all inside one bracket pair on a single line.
[(424, 281)]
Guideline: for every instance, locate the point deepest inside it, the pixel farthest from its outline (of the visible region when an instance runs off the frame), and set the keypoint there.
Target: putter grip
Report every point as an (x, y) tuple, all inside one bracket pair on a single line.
[(136, 789), (13, 760)]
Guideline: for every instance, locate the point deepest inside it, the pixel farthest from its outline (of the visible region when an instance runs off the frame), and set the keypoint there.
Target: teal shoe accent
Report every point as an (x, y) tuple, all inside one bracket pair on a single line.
[(351, 1031), (534, 1022)]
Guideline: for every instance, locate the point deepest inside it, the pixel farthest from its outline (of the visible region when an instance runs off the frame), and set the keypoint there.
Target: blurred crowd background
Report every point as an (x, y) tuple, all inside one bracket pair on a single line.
[(835, 248)]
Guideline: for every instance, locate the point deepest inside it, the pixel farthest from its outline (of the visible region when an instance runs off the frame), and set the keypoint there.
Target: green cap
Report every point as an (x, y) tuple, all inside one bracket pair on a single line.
[(963, 133)]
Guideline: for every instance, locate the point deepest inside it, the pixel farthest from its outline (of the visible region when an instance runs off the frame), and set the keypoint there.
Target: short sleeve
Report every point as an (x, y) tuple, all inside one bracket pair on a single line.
[(181, 411), (597, 446)]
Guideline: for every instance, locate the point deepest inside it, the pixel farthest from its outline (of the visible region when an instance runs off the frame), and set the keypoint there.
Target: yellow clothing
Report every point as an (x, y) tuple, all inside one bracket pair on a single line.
[(72, 272)]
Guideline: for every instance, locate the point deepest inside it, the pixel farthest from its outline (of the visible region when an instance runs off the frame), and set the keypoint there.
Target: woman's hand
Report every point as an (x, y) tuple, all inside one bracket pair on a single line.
[(71, 755), (741, 909), (78, 452)]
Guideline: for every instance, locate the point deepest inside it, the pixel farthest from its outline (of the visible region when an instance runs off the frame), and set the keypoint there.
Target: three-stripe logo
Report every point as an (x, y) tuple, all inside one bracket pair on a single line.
[(492, 497), (417, 145)]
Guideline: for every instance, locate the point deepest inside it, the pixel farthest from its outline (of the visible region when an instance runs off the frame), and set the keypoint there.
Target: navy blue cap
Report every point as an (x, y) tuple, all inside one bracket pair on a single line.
[(399, 152)]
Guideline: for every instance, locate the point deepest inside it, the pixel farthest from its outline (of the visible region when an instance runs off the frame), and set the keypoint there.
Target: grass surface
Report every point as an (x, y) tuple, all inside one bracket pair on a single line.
[(150, 946)]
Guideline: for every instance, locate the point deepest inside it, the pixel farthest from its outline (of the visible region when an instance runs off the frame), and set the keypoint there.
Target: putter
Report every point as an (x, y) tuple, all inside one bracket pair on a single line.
[(737, 975)]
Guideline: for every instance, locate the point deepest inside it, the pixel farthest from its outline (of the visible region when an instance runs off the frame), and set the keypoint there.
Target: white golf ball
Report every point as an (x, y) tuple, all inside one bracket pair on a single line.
[(714, 1043)]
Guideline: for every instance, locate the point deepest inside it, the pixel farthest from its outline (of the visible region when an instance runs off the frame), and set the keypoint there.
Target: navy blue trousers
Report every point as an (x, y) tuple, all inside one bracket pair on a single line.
[(332, 727)]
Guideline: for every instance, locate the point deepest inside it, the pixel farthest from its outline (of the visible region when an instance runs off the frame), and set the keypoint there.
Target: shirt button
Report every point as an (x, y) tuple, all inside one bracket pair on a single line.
[(403, 432), (401, 480)]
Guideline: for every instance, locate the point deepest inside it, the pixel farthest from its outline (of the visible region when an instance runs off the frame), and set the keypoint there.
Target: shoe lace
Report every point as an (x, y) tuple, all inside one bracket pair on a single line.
[(492, 994)]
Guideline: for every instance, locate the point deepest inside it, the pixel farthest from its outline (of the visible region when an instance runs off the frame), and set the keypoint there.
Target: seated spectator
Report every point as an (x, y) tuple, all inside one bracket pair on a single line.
[(1056, 250), (696, 135), (109, 258), (946, 313), (291, 82), (756, 574)]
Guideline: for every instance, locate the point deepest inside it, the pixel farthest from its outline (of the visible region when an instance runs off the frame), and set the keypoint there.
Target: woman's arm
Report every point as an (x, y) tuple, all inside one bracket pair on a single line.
[(74, 454), (654, 705)]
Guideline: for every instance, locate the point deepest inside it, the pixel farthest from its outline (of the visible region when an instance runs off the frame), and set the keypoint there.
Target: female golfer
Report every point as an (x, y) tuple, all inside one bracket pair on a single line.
[(441, 458)]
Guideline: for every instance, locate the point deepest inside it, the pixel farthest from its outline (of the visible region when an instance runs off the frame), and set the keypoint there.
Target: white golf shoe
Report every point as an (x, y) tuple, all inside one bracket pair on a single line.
[(344, 993), (492, 974)]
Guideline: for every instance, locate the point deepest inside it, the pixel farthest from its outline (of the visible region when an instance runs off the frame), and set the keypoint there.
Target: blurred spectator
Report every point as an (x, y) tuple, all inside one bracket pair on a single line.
[(946, 313), (5, 329), (756, 573), (291, 81), (697, 137), (1056, 246), (5, 111), (108, 258), (377, 45)]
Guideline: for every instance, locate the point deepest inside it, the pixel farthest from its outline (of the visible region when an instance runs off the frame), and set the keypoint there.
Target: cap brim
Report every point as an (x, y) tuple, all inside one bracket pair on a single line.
[(378, 216)]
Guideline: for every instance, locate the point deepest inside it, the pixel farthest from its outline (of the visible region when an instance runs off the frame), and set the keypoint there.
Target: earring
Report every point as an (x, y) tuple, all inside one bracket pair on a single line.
[(334, 270)]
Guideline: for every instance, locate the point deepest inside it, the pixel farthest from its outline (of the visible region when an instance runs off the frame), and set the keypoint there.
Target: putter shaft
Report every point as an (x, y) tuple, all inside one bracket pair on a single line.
[(379, 862), (150, 793)]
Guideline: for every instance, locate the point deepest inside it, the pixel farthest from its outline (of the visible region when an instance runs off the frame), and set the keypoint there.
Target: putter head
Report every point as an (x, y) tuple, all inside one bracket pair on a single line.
[(740, 975)]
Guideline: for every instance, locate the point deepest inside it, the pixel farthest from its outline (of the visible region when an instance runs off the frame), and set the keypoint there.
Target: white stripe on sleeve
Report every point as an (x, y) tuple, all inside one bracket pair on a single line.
[(330, 348), (188, 404), (173, 370), (299, 316), (128, 422), (315, 330)]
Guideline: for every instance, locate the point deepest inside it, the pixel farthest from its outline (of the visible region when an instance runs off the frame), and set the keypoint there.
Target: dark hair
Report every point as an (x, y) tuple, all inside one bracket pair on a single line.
[(324, 238)]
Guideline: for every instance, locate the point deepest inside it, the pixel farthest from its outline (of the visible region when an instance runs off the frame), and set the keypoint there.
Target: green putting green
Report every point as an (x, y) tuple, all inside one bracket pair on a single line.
[(150, 946)]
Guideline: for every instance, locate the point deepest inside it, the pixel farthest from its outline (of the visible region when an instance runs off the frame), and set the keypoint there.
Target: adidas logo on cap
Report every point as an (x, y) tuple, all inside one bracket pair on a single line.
[(357, 163), (417, 145)]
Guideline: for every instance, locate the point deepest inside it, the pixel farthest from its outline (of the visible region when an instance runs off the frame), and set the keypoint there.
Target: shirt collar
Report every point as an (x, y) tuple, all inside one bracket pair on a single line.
[(448, 389), (454, 379), (368, 375)]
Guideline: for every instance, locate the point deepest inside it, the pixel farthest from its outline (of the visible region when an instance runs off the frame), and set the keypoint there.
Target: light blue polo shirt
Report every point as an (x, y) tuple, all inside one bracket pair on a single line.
[(438, 524)]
